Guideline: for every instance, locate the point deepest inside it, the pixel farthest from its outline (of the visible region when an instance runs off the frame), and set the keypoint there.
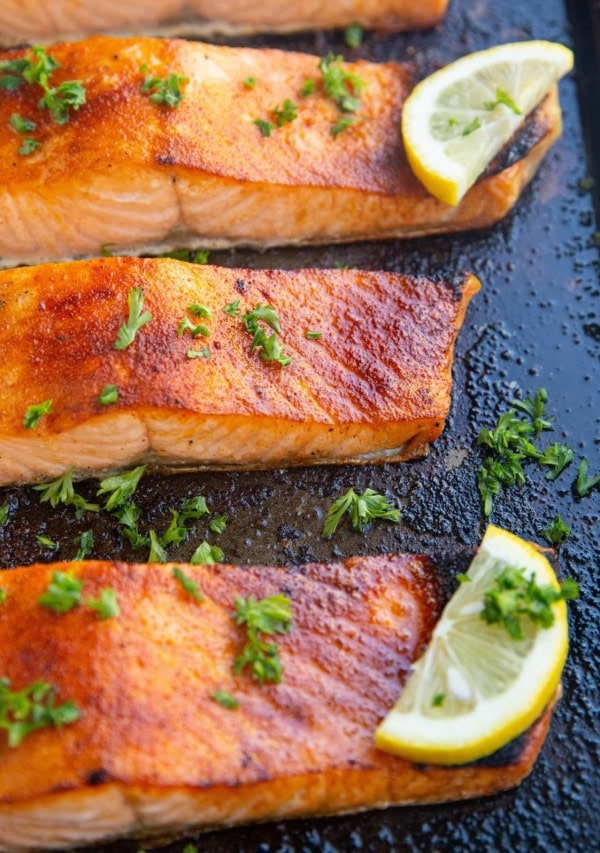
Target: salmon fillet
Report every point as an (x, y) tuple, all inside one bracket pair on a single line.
[(27, 20), (202, 173), (152, 753), (375, 387)]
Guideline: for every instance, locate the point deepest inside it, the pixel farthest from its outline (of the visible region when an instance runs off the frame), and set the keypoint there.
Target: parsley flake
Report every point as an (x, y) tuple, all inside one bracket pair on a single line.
[(108, 395), (342, 124), (308, 87), (471, 127), (502, 98), (46, 542), (86, 545), (187, 584), (28, 146), (225, 699), (268, 346), (200, 311), (163, 91), (353, 35), (121, 487), (186, 325), (4, 512), (265, 127), (556, 457), (286, 113), (199, 257), (207, 555), (21, 124), (557, 531), (585, 484), (271, 615), (136, 320), (198, 353), (438, 700), (313, 336), (35, 413), (62, 594), (3, 595), (342, 86), (233, 308), (250, 82), (362, 509), (32, 708), (62, 491), (106, 605)]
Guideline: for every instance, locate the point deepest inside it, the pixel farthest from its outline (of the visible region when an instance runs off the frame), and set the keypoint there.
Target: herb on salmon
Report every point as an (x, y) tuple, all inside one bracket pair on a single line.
[(32, 708), (265, 127), (108, 395), (286, 113), (198, 353), (165, 91), (28, 146), (62, 594), (225, 699), (35, 413), (342, 124), (187, 584), (233, 308), (361, 508), (136, 320), (3, 595), (218, 524), (106, 605), (271, 615), (21, 125), (313, 336), (250, 82), (308, 88), (343, 86), (186, 325), (268, 346)]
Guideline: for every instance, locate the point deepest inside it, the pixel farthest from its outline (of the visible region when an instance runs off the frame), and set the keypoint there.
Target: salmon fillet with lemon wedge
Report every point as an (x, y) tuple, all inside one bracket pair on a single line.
[(159, 737), (345, 366), (257, 148), (56, 19)]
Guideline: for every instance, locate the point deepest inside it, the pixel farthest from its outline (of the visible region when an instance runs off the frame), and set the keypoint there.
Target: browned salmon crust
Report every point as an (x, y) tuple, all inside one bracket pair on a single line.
[(57, 19), (202, 173), (153, 754), (375, 387)]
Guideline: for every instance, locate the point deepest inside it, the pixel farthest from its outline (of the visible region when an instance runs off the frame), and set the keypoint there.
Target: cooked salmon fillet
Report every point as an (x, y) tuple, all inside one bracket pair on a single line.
[(153, 754), (375, 387), (141, 177), (27, 20)]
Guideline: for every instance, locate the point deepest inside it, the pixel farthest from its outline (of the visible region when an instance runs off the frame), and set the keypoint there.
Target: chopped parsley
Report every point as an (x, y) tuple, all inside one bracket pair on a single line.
[(35, 413), (341, 85), (207, 555), (200, 311), (585, 484), (286, 113), (46, 542), (265, 127), (108, 395), (504, 98), (121, 487), (250, 82), (106, 605), (136, 320), (187, 584), (32, 708), (471, 127), (195, 508), (21, 124), (308, 87), (218, 524), (86, 545), (268, 346), (313, 336), (342, 124), (62, 491), (438, 700), (556, 457), (353, 35), (225, 699), (461, 577), (62, 594), (157, 553), (535, 407), (3, 595), (362, 509), (198, 353), (557, 531), (28, 146), (233, 308), (4, 512), (186, 325), (199, 257), (271, 615), (165, 91)]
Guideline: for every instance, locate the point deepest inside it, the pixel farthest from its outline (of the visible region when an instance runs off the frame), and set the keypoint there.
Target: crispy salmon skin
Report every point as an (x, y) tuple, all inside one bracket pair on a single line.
[(141, 176), (56, 19), (375, 386), (153, 754)]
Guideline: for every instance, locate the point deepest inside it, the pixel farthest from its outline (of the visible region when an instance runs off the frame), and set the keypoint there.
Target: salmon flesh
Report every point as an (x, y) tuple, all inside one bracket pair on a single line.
[(374, 387), (137, 176), (152, 754)]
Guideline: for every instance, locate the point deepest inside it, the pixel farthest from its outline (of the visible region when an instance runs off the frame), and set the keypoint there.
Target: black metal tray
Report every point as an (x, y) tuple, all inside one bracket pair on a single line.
[(535, 324)]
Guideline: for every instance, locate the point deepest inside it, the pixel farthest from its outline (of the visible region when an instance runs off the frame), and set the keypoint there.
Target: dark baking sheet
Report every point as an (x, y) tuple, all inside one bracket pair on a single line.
[(535, 323)]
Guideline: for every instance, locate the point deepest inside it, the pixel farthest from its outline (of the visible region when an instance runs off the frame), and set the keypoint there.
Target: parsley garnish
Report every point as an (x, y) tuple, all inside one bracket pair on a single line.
[(157, 552), (438, 700), (200, 311), (199, 257), (35, 413), (106, 605), (513, 596), (557, 531), (222, 697), (265, 127), (137, 318), (313, 336), (207, 555), (120, 487), (286, 113), (46, 542), (233, 308), (470, 128), (362, 508), (250, 82), (268, 346), (32, 708), (461, 577), (70, 95), (163, 91), (108, 395), (502, 97), (61, 491), (186, 325), (342, 124), (556, 457), (198, 353), (21, 124), (190, 586), (271, 615), (86, 545), (353, 35), (3, 595), (341, 85), (195, 508), (62, 594), (28, 146), (308, 87), (4, 511), (218, 524), (535, 407), (585, 484)]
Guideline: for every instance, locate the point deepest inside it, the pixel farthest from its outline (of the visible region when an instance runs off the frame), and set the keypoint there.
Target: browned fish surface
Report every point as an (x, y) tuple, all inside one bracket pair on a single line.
[(153, 754), (375, 387), (202, 173), (56, 19)]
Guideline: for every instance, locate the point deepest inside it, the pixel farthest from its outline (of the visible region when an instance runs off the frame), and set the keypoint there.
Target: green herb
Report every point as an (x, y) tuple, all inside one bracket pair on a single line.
[(596, 238), (157, 552), (535, 407), (70, 95), (106, 605), (342, 124), (218, 524), (176, 532), (4, 511), (341, 85), (462, 578), (194, 508), (190, 848), (190, 586), (268, 346), (28, 146), (585, 484), (121, 487), (265, 127), (222, 697), (3, 595), (362, 509), (186, 325), (200, 311), (46, 542), (11, 72), (21, 124), (471, 127), (286, 113), (198, 353), (250, 82), (86, 545), (586, 184), (308, 87), (557, 531), (35, 413), (136, 320), (108, 395), (199, 257), (353, 35), (556, 457), (106, 250), (438, 700), (32, 708), (61, 491), (128, 517), (271, 615), (62, 594), (504, 98), (161, 90), (514, 597), (233, 308), (313, 336), (207, 555), (452, 122)]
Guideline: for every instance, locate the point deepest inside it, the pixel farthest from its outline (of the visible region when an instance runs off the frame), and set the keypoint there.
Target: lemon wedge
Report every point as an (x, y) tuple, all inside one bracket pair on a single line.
[(477, 687), (456, 121)]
